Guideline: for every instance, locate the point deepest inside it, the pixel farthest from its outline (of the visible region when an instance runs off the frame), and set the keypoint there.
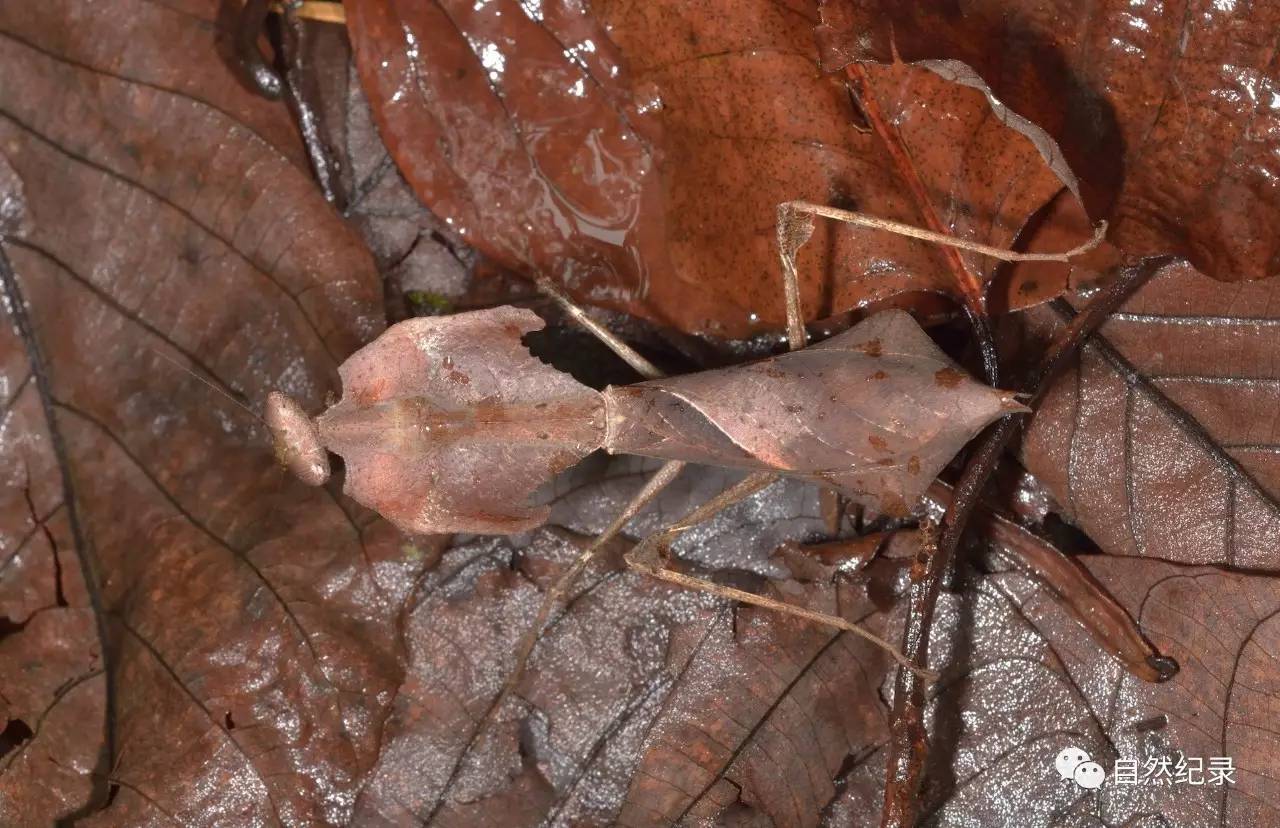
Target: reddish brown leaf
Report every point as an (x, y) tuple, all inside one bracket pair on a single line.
[(1163, 442), (249, 621), (1167, 113), (1026, 682), (645, 176), (1070, 583), (256, 631), (53, 691)]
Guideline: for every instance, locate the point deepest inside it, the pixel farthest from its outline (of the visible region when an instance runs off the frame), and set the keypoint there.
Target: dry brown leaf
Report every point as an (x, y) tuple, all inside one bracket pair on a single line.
[(1026, 682), (249, 622), (254, 629), (1163, 442), (641, 704), (51, 704)]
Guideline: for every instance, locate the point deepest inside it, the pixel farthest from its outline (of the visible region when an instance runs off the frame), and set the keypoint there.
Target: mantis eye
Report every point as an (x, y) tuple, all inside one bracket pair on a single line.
[(297, 442)]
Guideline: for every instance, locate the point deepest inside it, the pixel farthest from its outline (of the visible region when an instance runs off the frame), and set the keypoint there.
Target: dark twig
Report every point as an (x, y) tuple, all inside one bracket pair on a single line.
[(967, 283), (249, 26), (300, 80), (908, 741)]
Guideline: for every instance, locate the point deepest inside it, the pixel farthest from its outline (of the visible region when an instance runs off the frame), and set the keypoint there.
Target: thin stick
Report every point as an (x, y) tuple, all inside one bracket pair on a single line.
[(908, 740), (301, 82), (970, 288), (317, 10), (897, 227), (642, 366), (645, 558)]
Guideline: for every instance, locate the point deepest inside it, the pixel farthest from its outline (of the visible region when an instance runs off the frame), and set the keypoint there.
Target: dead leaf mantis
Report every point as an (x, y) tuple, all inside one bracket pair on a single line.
[(447, 424)]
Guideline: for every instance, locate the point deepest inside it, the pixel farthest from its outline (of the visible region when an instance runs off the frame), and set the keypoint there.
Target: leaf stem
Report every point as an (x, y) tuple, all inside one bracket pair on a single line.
[(967, 282), (322, 11), (971, 289)]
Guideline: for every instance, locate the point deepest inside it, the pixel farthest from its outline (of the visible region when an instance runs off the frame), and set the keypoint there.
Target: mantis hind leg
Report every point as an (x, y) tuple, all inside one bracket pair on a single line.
[(647, 557), (612, 341), (795, 226)]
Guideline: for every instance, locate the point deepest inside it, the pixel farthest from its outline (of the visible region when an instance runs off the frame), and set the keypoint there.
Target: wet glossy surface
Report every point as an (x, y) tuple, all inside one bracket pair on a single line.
[(1169, 112), (168, 226), (637, 153)]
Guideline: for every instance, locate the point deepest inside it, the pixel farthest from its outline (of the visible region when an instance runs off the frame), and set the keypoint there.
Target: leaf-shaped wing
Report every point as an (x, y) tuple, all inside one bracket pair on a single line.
[(875, 412), (447, 424)]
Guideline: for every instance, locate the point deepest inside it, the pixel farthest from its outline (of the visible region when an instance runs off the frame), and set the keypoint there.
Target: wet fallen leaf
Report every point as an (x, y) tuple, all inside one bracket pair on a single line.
[(426, 266), (1163, 443), (643, 705), (268, 654), (637, 154), (249, 624), (1169, 118), (737, 710), (49, 651)]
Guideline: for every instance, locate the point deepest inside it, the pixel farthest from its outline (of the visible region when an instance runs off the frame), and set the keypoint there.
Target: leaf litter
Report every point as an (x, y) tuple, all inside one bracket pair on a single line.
[(721, 696)]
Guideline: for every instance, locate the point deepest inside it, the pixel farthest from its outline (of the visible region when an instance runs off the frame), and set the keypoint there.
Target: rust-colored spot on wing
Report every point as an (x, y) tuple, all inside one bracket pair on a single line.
[(948, 377)]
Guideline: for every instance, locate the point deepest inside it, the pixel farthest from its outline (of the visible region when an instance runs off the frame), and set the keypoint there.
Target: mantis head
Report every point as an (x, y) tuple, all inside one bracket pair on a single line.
[(297, 440)]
